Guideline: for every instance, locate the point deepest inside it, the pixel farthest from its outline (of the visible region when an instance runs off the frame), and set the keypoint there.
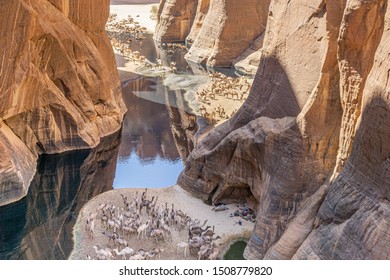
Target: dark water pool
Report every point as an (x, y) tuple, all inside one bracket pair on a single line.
[(236, 251), (40, 225)]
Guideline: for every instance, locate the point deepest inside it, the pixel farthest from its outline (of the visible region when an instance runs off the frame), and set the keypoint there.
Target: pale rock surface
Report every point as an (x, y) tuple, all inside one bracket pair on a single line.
[(311, 143), (174, 20), (227, 30), (249, 61), (59, 88), (201, 12), (219, 32)]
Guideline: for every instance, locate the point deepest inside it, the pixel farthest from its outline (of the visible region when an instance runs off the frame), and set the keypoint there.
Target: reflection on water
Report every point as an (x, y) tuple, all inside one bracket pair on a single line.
[(148, 156), (157, 132), (40, 225)]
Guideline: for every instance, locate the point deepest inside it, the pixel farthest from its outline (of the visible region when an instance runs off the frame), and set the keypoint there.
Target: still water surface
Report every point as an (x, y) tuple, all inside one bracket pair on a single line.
[(148, 155)]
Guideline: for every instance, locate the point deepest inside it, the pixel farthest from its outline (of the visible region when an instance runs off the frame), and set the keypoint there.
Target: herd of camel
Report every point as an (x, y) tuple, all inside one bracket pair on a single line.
[(222, 85), (140, 218), (124, 31)]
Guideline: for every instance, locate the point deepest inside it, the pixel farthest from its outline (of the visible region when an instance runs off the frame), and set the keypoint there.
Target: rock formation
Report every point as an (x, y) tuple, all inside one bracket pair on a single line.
[(59, 88), (201, 12), (312, 141), (218, 31), (174, 20), (228, 29), (61, 186)]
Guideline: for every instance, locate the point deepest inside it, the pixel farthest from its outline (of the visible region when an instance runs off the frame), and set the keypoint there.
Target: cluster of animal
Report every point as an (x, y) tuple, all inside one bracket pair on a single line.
[(222, 85), (126, 51), (216, 114), (137, 58), (126, 29), (122, 34), (141, 218), (171, 48)]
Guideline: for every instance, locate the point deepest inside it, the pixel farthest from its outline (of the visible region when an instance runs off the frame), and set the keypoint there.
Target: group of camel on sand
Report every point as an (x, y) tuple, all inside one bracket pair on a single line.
[(222, 85), (126, 29), (122, 34), (141, 218)]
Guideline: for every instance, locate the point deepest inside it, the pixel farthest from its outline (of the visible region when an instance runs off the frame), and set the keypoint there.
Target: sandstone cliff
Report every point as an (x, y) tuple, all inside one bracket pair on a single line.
[(62, 185), (59, 88), (175, 18), (311, 143), (218, 31)]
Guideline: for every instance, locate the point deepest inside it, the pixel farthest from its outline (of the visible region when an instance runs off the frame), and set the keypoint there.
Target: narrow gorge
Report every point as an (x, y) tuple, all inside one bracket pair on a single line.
[(305, 143)]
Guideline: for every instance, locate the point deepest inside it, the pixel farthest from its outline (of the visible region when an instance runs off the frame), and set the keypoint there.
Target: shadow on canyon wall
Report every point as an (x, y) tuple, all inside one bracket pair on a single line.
[(40, 225)]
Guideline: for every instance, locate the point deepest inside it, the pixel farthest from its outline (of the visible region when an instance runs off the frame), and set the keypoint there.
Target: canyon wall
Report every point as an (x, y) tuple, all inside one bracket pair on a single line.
[(311, 143), (59, 88), (174, 20), (61, 186), (219, 32)]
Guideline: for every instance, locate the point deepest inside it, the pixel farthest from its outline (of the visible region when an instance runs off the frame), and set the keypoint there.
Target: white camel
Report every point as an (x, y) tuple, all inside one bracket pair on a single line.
[(127, 251), (105, 253), (142, 229)]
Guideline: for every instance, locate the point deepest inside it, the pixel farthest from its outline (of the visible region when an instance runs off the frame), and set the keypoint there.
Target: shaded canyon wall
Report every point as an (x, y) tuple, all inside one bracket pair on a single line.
[(311, 143), (59, 88), (40, 225)]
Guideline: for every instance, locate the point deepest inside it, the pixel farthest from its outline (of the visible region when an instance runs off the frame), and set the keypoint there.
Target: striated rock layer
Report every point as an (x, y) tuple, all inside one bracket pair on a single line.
[(40, 225), (219, 31), (311, 143), (228, 29), (174, 20), (59, 88)]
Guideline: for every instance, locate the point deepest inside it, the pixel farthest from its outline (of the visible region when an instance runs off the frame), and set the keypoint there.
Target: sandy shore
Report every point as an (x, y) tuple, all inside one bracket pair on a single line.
[(225, 226)]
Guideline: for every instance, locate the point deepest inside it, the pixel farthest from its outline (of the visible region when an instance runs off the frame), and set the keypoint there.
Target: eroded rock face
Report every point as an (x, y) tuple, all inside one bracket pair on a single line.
[(175, 18), (219, 31), (228, 29), (59, 88), (311, 143), (61, 186), (201, 12)]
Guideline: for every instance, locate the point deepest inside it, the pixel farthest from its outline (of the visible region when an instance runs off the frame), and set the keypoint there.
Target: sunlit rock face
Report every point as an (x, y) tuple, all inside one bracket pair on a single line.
[(175, 18), (59, 88), (227, 31), (311, 143), (219, 32)]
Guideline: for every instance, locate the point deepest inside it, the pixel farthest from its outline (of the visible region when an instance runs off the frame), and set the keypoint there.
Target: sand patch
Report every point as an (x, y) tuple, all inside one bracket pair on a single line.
[(225, 226)]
